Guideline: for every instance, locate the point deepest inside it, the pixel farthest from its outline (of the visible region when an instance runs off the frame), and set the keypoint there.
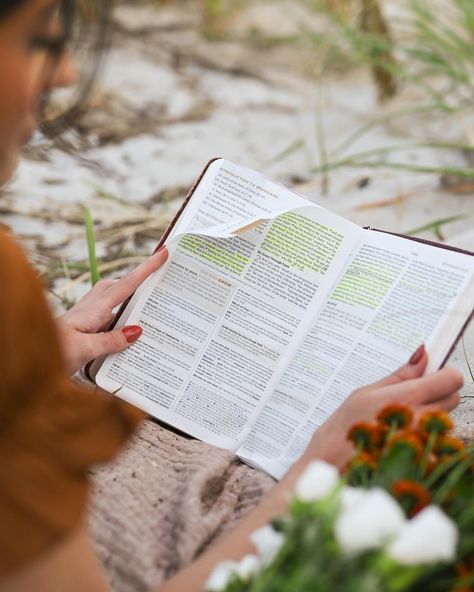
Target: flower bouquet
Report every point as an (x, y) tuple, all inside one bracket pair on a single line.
[(400, 518)]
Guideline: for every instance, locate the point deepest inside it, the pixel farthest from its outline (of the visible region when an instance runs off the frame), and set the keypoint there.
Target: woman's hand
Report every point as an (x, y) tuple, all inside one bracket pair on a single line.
[(81, 328), (406, 386)]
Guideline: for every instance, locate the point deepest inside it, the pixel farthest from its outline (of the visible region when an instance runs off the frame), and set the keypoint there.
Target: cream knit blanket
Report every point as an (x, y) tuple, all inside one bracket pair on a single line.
[(164, 500)]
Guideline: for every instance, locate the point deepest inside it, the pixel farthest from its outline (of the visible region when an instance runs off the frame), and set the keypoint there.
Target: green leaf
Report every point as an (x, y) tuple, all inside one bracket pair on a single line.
[(93, 267)]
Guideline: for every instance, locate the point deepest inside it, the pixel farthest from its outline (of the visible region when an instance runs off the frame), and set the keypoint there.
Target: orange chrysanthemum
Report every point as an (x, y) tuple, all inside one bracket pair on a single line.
[(407, 440), (396, 415), (366, 435), (411, 495), (435, 422), (360, 467), (447, 445), (464, 570), (364, 459)]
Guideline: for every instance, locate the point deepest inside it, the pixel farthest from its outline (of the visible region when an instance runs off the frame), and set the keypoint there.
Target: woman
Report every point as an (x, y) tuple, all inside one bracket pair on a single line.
[(51, 431)]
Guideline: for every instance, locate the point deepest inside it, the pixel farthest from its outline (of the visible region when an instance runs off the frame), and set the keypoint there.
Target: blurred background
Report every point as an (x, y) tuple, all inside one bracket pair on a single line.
[(364, 106)]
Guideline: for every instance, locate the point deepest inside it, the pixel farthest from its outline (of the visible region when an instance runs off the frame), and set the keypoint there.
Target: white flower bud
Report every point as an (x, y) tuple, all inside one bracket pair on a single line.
[(220, 576), (369, 522), (248, 566), (317, 481), (428, 538), (268, 543)]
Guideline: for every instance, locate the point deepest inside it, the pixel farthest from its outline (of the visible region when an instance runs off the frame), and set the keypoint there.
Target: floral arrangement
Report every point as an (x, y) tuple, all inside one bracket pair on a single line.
[(400, 518)]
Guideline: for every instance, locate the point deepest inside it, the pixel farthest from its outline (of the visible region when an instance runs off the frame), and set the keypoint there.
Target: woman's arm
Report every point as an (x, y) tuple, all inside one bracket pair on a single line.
[(72, 567), (69, 566)]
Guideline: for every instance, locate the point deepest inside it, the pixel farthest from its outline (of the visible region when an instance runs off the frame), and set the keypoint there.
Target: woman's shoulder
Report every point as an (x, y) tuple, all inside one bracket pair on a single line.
[(8, 244), (20, 286), (28, 349), (14, 263)]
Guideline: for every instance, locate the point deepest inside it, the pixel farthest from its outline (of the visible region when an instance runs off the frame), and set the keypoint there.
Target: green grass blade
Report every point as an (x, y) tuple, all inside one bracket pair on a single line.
[(93, 267), (435, 225), (298, 144)]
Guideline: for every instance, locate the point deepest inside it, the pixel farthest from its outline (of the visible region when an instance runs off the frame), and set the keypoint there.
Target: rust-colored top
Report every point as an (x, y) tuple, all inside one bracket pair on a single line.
[(51, 431)]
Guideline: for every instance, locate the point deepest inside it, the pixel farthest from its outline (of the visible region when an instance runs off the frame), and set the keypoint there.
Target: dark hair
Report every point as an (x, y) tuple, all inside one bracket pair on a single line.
[(86, 28), (8, 5)]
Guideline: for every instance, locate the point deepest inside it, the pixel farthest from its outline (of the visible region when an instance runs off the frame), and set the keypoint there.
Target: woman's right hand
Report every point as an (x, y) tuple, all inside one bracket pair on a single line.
[(406, 386)]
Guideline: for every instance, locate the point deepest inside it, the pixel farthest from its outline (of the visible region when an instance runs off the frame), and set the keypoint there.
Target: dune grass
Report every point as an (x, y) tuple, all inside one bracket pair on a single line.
[(91, 247)]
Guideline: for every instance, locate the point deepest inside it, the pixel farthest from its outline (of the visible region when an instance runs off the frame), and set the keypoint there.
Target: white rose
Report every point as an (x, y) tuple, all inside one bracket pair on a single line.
[(220, 576), (248, 566), (268, 543), (369, 522), (349, 496), (317, 481), (428, 538)]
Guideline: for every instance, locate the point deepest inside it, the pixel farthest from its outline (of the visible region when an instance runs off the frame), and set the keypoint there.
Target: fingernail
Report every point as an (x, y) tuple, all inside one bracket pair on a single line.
[(416, 357), (132, 333), (162, 248)]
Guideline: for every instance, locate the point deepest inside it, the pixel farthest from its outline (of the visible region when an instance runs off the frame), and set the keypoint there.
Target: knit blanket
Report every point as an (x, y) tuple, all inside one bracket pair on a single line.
[(163, 502)]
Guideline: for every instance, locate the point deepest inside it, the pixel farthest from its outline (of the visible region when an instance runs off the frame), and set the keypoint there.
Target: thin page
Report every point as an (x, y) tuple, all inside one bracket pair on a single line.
[(221, 317), (394, 295)]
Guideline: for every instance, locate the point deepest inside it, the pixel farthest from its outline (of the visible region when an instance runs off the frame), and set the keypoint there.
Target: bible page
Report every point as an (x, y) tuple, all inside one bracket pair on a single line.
[(221, 317), (393, 295)]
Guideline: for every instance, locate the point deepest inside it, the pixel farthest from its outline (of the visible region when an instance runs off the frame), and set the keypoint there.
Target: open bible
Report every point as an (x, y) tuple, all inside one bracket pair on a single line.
[(271, 310)]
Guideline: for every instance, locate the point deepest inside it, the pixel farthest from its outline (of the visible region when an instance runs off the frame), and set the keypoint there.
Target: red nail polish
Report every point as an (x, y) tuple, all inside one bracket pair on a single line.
[(132, 332), (416, 357)]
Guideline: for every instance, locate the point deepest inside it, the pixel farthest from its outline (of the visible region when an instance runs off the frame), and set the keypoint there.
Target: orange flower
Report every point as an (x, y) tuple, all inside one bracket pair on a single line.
[(362, 466), (364, 459), (435, 422), (464, 570), (447, 445), (366, 435), (399, 415), (411, 495), (407, 440)]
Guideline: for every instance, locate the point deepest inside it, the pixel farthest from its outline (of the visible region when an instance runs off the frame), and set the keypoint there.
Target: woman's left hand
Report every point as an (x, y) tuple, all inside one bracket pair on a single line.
[(81, 329)]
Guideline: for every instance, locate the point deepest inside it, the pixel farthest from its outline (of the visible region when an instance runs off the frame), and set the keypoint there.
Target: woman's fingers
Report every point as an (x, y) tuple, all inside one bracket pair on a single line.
[(104, 285), (110, 342), (447, 404), (414, 368), (430, 389), (126, 286)]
